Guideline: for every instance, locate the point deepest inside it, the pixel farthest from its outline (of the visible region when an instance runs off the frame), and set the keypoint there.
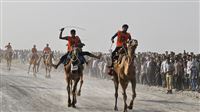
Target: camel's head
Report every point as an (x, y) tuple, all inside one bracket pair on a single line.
[(132, 45), (75, 52)]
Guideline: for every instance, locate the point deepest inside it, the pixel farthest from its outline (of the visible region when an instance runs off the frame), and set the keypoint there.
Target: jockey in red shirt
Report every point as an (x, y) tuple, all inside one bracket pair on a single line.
[(122, 38), (47, 49), (73, 41), (34, 52)]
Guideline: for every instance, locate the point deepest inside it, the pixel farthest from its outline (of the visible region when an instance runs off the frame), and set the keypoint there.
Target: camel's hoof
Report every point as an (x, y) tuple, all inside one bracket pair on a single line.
[(69, 105), (116, 109), (79, 93), (130, 107), (73, 105)]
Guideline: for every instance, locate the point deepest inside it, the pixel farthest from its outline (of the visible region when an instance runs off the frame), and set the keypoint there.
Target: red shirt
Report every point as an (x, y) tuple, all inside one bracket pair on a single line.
[(122, 38), (72, 42)]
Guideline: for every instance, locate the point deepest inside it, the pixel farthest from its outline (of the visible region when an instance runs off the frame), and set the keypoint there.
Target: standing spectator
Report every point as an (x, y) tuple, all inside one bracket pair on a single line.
[(188, 72), (151, 65), (163, 70), (157, 72), (169, 75), (178, 73), (143, 76), (138, 69), (194, 74)]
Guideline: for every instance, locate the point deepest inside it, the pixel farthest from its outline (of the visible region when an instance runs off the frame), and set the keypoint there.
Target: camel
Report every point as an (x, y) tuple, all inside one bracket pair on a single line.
[(124, 72), (35, 61), (8, 57), (73, 74), (48, 64)]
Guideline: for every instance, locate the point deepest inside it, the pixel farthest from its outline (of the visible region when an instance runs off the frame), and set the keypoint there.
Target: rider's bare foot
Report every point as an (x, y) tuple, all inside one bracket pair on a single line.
[(55, 66)]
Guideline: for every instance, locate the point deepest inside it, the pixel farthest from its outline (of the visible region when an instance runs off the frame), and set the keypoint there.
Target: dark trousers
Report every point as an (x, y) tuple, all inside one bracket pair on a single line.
[(83, 53), (178, 82), (115, 51), (193, 84), (62, 59), (163, 77)]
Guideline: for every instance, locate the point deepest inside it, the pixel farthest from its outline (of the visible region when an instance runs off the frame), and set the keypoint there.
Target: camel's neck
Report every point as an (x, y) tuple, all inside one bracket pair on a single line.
[(130, 60)]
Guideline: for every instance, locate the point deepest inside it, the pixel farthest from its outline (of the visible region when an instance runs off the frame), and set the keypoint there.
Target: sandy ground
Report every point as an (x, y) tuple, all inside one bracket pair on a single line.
[(21, 92)]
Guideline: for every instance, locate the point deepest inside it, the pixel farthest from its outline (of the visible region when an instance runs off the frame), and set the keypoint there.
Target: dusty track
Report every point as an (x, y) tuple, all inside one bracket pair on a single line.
[(20, 92)]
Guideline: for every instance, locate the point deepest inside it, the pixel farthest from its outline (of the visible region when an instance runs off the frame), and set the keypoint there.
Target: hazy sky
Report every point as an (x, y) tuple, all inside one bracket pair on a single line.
[(158, 25)]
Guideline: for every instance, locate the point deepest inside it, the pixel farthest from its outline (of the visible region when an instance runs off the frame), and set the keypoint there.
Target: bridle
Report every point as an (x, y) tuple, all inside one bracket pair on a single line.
[(75, 54)]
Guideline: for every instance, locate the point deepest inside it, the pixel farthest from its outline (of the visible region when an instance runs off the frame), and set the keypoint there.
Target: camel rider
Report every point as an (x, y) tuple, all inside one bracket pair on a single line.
[(73, 41), (122, 38), (8, 47), (34, 51), (46, 51)]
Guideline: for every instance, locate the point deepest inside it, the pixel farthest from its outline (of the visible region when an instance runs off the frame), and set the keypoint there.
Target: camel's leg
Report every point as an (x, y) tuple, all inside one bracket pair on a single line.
[(37, 67), (101, 73), (124, 85), (133, 84), (81, 83), (9, 59), (66, 77), (7, 63), (68, 81), (10, 64), (68, 91), (34, 70), (116, 83), (74, 92), (38, 64), (29, 68), (45, 65), (50, 71), (46, 70)]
